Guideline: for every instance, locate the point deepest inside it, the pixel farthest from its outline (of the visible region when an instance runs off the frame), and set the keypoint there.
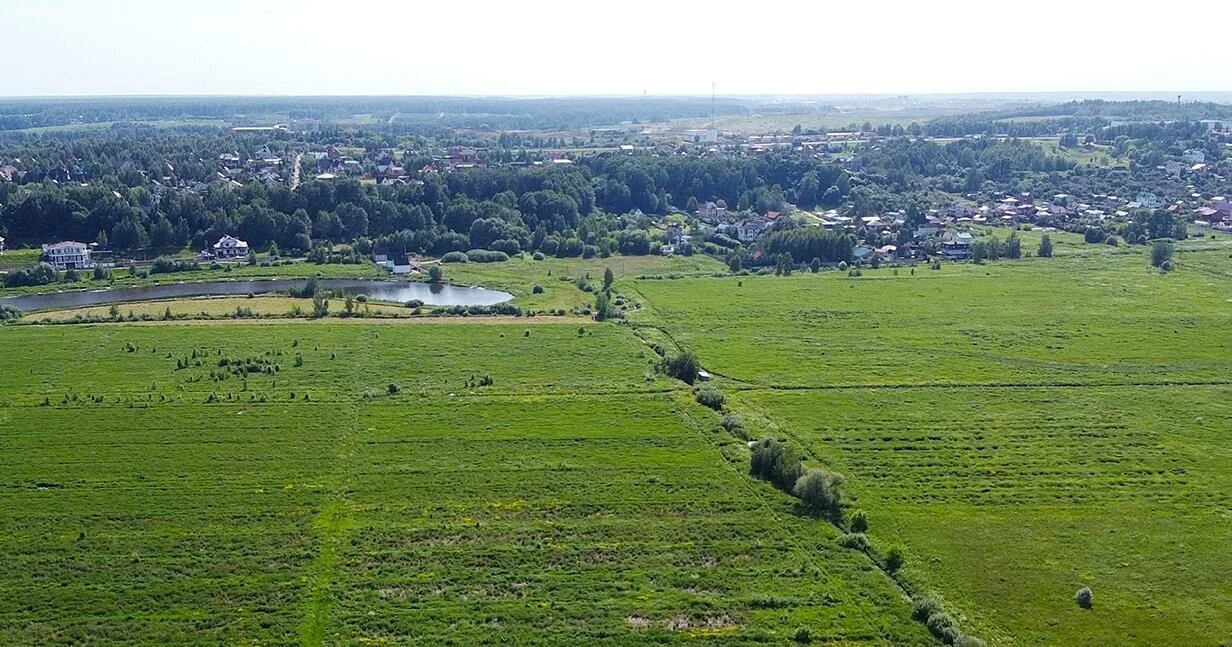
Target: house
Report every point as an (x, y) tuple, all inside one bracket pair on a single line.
[(1222, 205), (230, 247), (1, 244), (401, 264), (924, 231), (1175, 168), (380, 255), (711, 212), (1147, 200), (957, 246), (68, 254), (750, 230), (862, 253), (963, 210)]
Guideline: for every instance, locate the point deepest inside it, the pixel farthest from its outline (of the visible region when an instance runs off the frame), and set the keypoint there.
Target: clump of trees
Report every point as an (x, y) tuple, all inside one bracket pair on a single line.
[(1161, 255), (40, 274), (1045, 247), (940, 624), (776, 461), (683, 367), (820, 491)]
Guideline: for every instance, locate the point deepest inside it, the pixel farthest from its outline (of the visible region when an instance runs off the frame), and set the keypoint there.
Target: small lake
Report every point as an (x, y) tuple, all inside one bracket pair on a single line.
[(434, 294)]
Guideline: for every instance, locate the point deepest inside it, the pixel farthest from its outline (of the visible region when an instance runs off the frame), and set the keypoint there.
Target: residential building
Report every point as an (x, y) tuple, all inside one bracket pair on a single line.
[(957, 246), (750, 230), (1193, 156), (68, 254), (230, 247)]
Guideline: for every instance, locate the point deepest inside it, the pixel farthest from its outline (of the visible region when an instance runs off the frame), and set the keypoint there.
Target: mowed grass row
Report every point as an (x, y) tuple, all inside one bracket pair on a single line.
[(1106, 319), (572, 521), (145, 365), (170, 525), (1009, 500), (526, 510)]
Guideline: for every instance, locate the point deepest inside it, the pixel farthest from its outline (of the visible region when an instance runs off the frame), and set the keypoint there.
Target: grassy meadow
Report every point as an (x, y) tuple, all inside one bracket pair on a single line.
[(1019, 428)]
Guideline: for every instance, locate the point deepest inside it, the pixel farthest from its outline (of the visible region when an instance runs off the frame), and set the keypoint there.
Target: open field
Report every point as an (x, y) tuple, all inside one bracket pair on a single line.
[(150, 498), (1009, 500), (1021, 428)]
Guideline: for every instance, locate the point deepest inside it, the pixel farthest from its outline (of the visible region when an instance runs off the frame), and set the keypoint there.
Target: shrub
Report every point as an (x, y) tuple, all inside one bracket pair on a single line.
[(436, 274), (455, 257), (1085, 598), (683, 367), (414, 303), (969, 641), (710, 397), (859, 521), (734, 425), (802, 635), (854, 541), (485, 256), (1161, 252), (842, 266), (40, 274), (894, 559), (538, 256), (924, 608), (775, 461), (941, 625), (1045, 247), (538, 289), (819, 490)]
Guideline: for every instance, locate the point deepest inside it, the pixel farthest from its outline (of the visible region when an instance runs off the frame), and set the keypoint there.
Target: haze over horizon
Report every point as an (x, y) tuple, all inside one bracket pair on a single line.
[(140, 47)]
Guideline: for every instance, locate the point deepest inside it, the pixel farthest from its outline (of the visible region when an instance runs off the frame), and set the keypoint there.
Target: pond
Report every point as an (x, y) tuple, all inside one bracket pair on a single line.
[(434, 294)]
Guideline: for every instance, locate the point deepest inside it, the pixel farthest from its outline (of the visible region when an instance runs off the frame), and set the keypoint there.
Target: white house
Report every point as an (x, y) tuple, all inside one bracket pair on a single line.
[(68, 254), (750, 230), (957, 246), (230, 247), (1148, 200)]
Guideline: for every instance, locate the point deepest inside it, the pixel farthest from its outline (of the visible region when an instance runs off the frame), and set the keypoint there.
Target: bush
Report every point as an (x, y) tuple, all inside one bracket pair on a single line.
[(1161, 252), (40, 274), (859, 521), (436, 274), (455, 257), (802, 635), (538, 289), (392, 388), (775, 461), (819, 490), (734, 425), (485, 256), (941, 625), (854, 541), (894, 559), (969, 641), (1085, 598), (683, 367), (538, 256), (924, 608), (708, 396)]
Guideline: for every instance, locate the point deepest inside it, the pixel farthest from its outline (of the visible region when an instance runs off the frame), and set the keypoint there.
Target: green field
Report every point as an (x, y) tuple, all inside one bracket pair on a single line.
[(1020, 429), (580, 497)]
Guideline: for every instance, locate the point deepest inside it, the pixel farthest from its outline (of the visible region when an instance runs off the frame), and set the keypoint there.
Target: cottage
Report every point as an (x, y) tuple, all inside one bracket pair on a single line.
[(68, 254), (957, 246), (401, 264), (230, 247), (750, 230)]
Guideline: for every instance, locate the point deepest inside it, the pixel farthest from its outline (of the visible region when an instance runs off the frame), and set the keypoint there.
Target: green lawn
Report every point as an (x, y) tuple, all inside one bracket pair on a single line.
[(1021, 428), (152, 495)]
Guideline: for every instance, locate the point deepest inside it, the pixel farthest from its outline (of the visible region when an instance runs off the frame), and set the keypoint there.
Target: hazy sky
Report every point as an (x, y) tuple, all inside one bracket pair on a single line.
[(56, 47)]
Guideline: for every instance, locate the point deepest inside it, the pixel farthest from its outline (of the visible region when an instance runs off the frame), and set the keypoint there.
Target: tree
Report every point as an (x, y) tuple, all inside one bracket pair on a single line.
[(820, 491), (435, 274), (691, 205), (832, 197), (608, 278), (815, 265), (1012, 248), (320, 305), (1045, 247), (894, 559), (683, 367), (1161, 253), (808, 191), (252, 257), (273, 250)]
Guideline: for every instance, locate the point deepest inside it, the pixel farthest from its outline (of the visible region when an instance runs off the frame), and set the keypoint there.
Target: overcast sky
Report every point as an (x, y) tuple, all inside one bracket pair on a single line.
[(94, 47)]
